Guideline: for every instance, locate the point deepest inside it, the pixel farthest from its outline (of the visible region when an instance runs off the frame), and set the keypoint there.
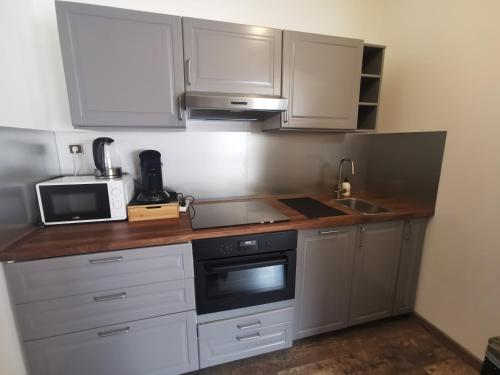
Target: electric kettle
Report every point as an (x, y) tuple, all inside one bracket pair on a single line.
[(106, 158)]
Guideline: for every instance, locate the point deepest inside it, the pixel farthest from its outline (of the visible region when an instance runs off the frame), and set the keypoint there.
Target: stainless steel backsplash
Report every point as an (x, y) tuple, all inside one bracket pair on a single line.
[(220, 164), (26, 157), (404, 165), (228, 164)]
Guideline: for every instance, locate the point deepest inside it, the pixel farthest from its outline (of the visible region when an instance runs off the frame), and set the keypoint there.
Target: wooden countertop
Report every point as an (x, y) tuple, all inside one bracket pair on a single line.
[(76, 239)]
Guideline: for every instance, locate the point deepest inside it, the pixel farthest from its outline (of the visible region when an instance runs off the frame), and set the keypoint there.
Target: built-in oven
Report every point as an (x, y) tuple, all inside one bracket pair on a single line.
[(243, 271)]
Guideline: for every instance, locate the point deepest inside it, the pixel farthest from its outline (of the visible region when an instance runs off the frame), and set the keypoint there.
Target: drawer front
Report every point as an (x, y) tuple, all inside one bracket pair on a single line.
[(67, 276), (246, 323), (77, 313), (162, 345), (223, 348)]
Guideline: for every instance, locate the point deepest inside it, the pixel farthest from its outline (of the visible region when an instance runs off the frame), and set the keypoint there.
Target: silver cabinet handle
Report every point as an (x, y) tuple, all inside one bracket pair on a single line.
[(285, 116), (179, 108), (332, 231), (253, 336), (250, 325), (110, 297), (410, 226), (106, 260), (363, 230), (188, 72), (114, 332)]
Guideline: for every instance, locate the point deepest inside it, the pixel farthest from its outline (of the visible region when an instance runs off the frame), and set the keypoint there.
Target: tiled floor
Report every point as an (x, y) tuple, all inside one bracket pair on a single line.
[(393, 347)]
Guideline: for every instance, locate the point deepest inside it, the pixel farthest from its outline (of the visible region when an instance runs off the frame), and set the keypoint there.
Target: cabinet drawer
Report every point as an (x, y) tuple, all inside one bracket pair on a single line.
[(66, 276), (77, 313), (162, 345), (246, 323), (226, 347)]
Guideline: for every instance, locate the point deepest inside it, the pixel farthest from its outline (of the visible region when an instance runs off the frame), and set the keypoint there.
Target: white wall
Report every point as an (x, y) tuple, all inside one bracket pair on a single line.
[(442, 73), (22, 103)]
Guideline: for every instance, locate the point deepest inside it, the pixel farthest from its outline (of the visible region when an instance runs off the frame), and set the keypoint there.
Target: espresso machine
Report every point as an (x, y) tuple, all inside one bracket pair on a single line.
[(152, 182)]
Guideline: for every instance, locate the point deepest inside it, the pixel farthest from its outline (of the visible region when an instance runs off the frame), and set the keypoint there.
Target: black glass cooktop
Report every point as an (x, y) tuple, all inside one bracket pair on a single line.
[(213, 215), (311, 208)]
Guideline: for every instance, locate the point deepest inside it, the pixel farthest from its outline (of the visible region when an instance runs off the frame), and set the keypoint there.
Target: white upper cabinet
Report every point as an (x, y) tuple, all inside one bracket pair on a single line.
[(123, 67), (126, 68), (231, 58), (321, 78)]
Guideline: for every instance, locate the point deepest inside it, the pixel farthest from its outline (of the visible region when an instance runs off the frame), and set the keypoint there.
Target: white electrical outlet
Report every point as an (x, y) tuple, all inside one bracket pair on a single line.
[(76, 149)]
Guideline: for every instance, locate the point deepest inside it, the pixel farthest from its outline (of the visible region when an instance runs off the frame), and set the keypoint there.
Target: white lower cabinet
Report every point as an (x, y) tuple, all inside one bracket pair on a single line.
[(246, 336), (324, 270), (350, 275), (128, 312), (157, 346)]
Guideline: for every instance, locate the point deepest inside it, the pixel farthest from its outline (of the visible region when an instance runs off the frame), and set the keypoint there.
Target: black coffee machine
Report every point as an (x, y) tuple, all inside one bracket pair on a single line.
[(152, 182)]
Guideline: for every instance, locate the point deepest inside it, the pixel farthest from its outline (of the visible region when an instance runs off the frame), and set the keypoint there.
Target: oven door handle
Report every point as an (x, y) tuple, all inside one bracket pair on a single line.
[(242, 266)]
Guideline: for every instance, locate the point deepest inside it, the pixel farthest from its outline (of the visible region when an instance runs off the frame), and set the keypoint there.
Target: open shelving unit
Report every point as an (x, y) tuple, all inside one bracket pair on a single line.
[(369, 90)]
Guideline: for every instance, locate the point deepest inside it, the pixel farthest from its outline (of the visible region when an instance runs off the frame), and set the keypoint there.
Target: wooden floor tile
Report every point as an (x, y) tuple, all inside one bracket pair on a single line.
[(387, 348)]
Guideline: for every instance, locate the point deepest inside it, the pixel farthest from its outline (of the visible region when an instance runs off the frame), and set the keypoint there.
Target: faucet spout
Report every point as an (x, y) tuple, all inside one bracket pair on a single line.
[(339, 190)]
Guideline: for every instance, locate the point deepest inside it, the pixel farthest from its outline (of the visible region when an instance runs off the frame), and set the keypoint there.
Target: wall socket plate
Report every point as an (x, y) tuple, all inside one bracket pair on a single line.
[(79, 149)]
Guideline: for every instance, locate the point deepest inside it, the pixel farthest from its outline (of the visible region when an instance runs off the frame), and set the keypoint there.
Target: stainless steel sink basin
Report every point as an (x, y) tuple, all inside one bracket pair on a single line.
[(361, 206)]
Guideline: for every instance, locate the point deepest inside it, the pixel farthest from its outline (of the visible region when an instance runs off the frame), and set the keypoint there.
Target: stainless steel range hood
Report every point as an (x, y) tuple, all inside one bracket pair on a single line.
[(241, 107)]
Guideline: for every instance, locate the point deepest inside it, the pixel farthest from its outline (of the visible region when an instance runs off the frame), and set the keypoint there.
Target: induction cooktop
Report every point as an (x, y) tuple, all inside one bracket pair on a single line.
[(224, 214)]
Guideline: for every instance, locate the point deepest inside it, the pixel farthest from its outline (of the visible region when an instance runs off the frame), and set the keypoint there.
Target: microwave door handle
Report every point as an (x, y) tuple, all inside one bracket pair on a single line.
[(242, 266)]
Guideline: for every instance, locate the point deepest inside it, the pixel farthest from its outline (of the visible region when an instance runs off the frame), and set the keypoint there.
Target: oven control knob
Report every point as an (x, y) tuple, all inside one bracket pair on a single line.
[(116, 192), (117, 204)]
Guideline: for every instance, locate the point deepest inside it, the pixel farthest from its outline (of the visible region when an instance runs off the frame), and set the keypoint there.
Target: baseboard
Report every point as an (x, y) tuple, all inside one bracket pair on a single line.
[(451, 344)]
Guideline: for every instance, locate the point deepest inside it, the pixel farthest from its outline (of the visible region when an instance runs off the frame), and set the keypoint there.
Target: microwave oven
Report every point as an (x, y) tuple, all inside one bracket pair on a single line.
[(84, 199)]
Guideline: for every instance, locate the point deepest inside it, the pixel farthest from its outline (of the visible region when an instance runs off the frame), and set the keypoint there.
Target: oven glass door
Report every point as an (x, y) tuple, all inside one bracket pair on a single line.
[(244, 281), (63, 203)]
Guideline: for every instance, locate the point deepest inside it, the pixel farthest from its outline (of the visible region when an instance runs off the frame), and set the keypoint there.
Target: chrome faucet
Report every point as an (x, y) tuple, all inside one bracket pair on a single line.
[(339, 190)]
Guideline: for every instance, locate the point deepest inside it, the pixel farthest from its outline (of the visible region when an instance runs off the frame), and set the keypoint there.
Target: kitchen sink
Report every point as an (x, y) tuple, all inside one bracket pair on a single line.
[(361, 206)]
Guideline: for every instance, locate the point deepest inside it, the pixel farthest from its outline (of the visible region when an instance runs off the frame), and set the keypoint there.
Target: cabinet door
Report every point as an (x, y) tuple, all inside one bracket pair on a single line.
[(321, 78), (157, 346), (375, 271), (324, 268), (122, 67), (233, 58), (409, 266)]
